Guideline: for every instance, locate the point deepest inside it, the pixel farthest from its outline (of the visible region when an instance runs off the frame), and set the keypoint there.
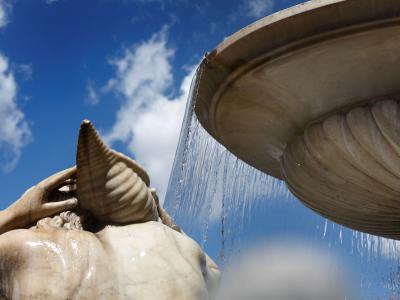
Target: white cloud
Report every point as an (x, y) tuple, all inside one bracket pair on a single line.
[(91, 95), (4, 7), (25, 70), (50, 1), (14, 130), (149, 120), (259, 8)]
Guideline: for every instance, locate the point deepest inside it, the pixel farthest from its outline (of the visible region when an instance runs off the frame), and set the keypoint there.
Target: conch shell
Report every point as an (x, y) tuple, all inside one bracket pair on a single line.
[(113, 187)]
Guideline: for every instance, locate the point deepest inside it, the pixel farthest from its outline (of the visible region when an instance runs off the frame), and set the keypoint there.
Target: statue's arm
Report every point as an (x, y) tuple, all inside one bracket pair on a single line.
[(34, 203), (6, 220)]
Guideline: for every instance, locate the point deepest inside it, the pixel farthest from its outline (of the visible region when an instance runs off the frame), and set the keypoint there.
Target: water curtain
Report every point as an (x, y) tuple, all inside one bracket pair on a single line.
[(227, 205)]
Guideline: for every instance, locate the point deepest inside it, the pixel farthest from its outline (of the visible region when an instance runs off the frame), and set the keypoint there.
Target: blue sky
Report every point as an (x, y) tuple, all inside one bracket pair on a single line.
[(120, 63)]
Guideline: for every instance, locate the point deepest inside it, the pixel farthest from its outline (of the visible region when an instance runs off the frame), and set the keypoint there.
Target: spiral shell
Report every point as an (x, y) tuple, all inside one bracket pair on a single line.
[(113, 187)]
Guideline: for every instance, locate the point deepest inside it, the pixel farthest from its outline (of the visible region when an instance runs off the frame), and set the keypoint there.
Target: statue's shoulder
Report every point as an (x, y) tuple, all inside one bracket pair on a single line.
[(150, 234), (19, 238), (53, 262), (152, 242), (28, 242)]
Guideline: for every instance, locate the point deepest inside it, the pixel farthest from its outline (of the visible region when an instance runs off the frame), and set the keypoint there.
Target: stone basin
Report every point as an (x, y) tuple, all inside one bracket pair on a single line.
[(310, 95)]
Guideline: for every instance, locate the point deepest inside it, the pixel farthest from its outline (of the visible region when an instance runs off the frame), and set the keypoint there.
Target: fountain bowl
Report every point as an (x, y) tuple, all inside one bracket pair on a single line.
[(310, 95)]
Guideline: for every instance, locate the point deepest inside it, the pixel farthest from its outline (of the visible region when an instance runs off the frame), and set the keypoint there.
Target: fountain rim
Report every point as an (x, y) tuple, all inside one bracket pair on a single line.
[(244, 50)]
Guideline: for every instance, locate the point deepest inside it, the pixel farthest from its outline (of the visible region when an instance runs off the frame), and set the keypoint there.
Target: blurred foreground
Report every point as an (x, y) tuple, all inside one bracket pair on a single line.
[(286, 270)]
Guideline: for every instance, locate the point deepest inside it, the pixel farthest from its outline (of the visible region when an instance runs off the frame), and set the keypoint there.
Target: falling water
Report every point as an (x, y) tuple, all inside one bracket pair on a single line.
[(226, 205)]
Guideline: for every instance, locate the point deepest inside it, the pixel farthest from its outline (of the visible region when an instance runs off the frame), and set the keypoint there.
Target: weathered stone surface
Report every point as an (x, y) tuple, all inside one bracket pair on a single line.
[(270, 80), (265, 85), (347, 167)]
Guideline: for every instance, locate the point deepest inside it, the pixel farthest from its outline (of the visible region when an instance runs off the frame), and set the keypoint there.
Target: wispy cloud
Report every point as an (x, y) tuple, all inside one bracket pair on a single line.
[(25, 70), (253, 9), (259, 8), (4, 9), (51, 1), (149, 120), (14, 130), (92, 98)]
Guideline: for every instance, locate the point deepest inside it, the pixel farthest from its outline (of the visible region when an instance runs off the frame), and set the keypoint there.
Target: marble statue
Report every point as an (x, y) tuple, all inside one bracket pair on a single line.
[(97, 231)]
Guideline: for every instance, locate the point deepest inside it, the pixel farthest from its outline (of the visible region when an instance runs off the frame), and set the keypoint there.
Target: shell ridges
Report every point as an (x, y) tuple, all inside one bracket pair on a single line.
[(110, 185)]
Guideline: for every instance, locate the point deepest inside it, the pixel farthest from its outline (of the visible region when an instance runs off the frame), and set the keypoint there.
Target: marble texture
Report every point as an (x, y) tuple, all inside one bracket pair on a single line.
[(347, 168), (112, 186), (98, 232), (301, 96), (137, 261)]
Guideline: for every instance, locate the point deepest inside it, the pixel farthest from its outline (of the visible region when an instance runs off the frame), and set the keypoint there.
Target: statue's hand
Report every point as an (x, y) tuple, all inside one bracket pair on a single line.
[(34, 203)]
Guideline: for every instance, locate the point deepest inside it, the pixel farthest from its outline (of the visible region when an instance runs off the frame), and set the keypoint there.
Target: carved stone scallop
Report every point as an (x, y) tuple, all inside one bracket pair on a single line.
[(347, 168)]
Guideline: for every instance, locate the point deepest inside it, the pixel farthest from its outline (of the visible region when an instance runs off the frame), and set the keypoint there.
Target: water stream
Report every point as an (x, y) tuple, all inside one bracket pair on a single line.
[(227, 205)]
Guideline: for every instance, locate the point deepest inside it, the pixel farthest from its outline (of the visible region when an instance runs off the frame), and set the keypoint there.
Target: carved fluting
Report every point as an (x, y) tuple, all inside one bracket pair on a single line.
[(347, 168), (109, 184)]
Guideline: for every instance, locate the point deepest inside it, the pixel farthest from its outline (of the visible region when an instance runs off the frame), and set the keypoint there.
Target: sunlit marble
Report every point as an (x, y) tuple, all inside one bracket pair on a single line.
[(97, 231), (138, 261)]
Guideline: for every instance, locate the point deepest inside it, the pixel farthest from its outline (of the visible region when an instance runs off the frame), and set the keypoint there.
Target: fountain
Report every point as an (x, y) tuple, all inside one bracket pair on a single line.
[(309, 96), (306, 98)]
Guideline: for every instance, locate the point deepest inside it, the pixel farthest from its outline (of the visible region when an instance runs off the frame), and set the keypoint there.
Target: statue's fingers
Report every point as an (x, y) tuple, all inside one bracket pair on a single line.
[(52, 208), (58, 196), (70, 183), (57, 179)]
